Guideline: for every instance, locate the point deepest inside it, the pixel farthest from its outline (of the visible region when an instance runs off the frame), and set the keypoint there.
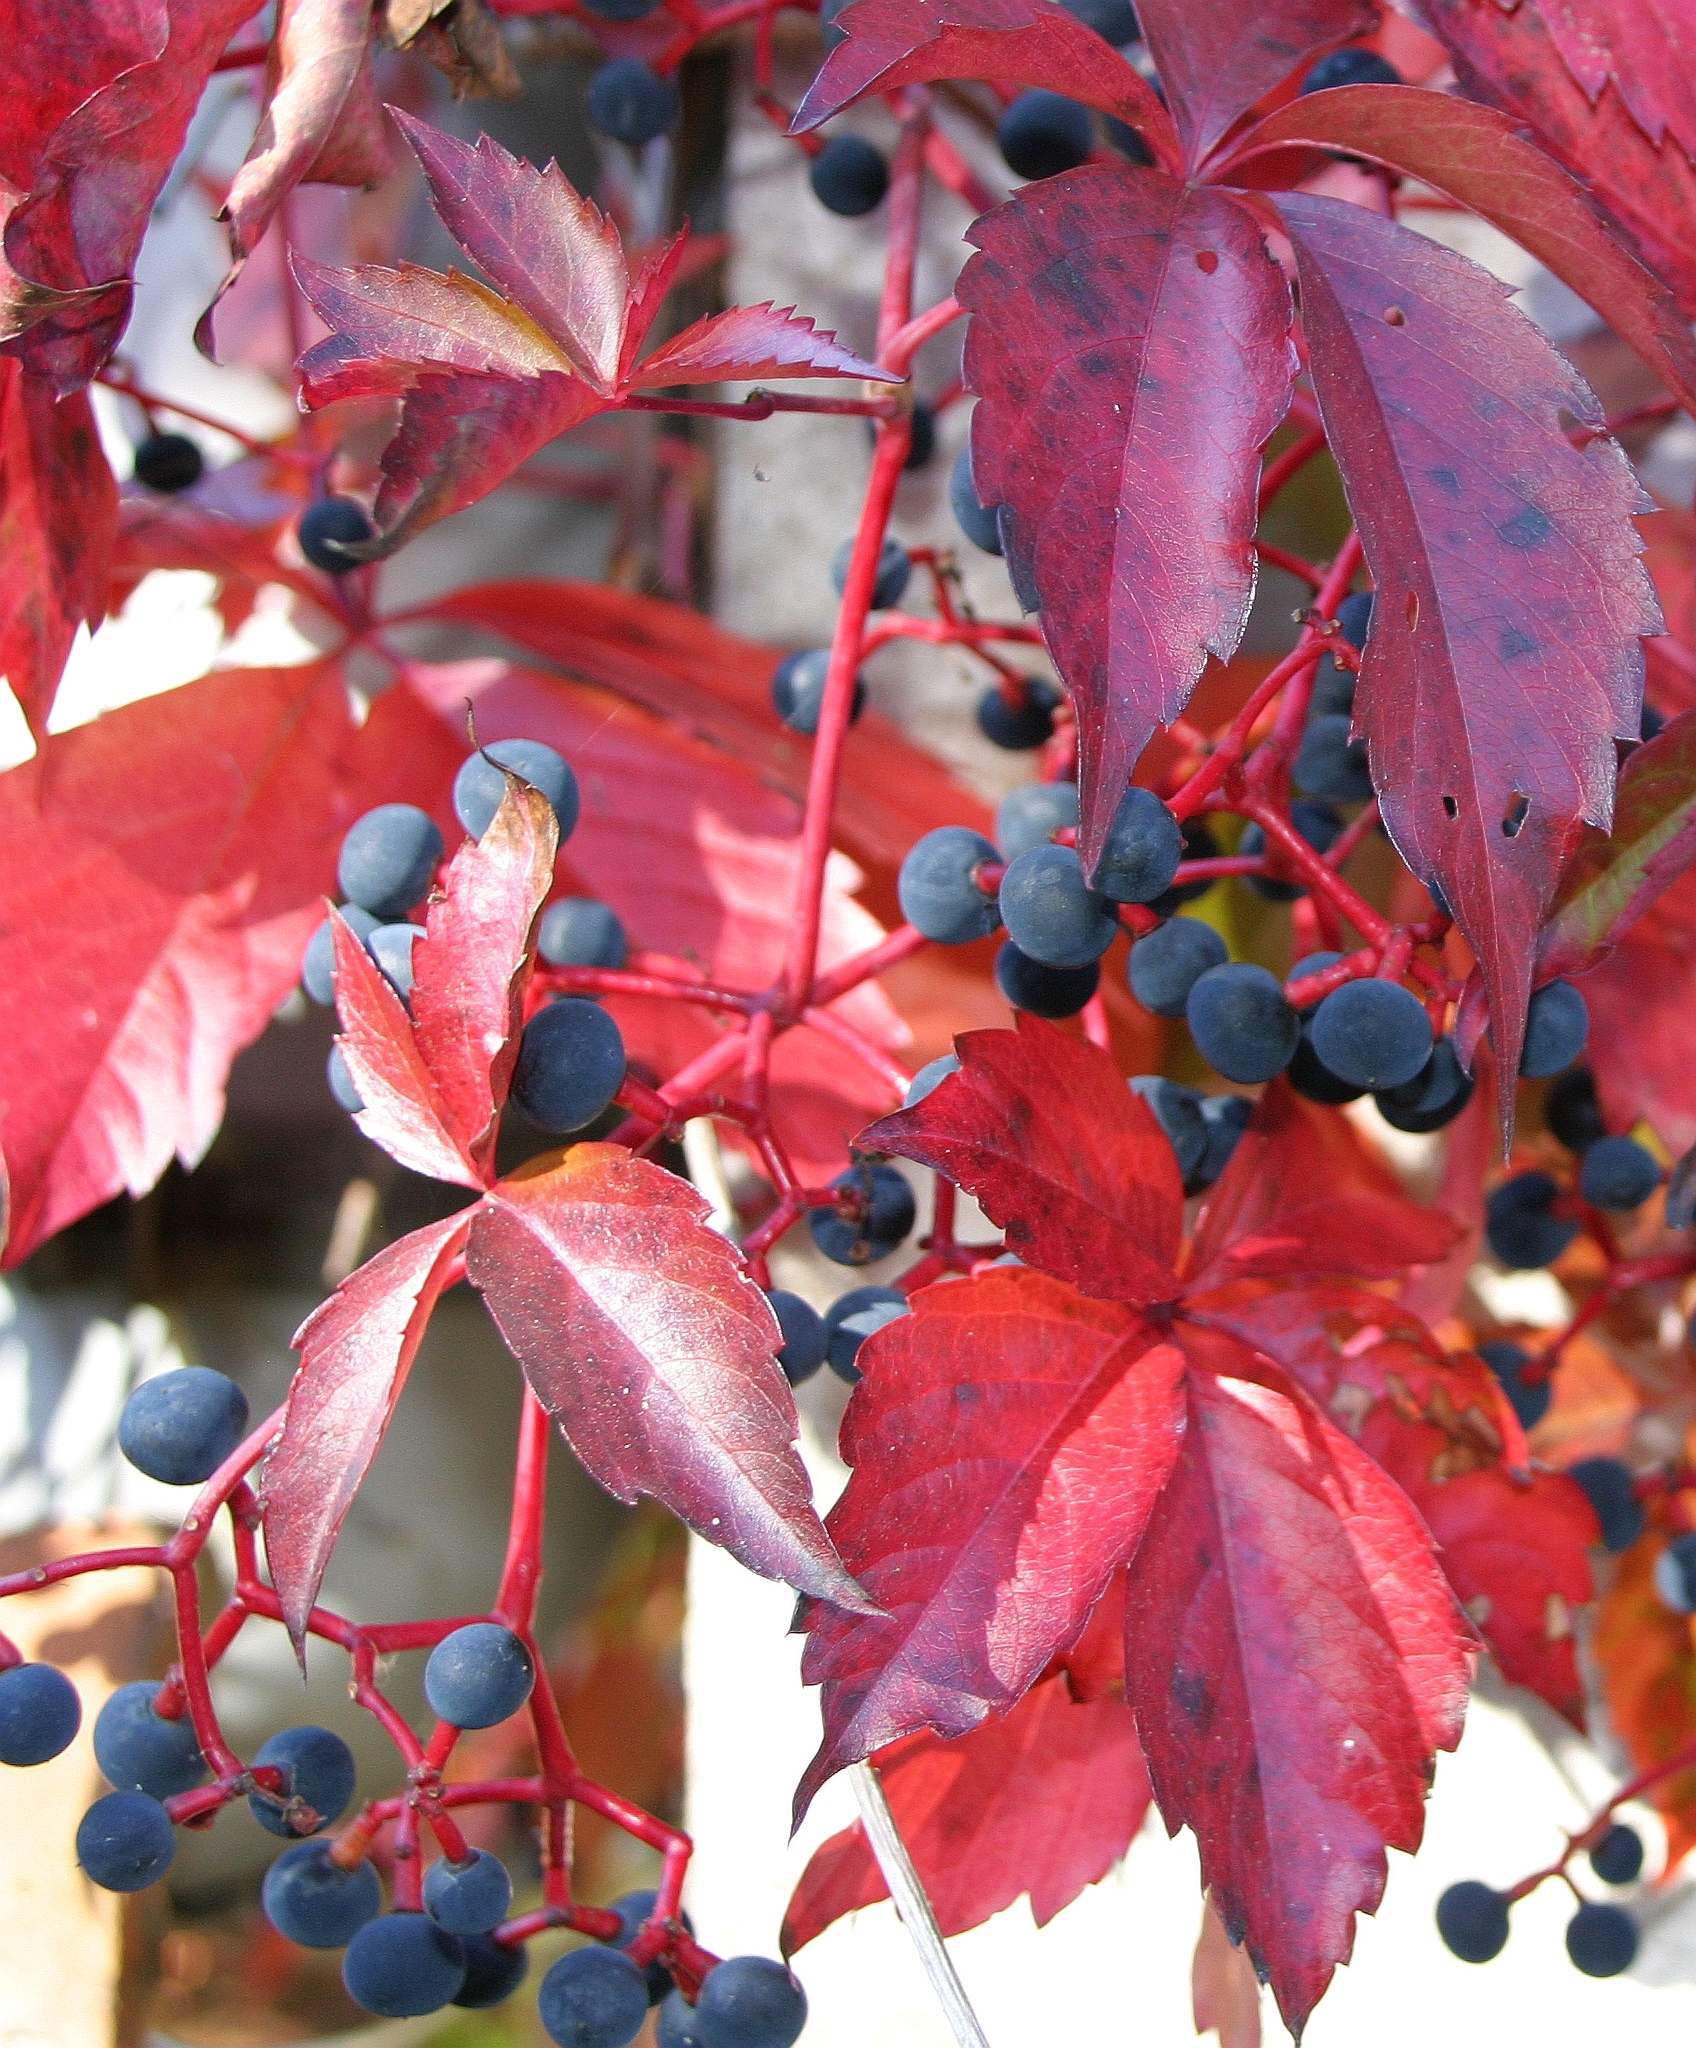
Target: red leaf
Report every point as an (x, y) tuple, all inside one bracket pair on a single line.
[(1042, 1801), (1062, 1156), (1504, 657), (1483, 159), (58, 515), (1294, 1659), (1215, 61), (642, 1336), (1646, 48), (1612, 878), (1509, 59), (356, 1350), (160, 873), (1131, 354), (1013, 42), (1224, 1991), (752, 341), (470, 967), (92, 116), (1639, 999), (1024, 1432), (1303, 1195), (1517, 1553)]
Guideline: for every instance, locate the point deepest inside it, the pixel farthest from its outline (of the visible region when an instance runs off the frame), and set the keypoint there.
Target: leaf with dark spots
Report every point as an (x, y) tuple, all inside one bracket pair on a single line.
[(1294, 1660), (1303, 1195), (1041, 1129), (1215, 61), (1612, 878), (1485, 762), (890, 43), (641, 1334), (1039, 1802), (355, 1353), (1130, 348), (986, 1527), (1486, 160)]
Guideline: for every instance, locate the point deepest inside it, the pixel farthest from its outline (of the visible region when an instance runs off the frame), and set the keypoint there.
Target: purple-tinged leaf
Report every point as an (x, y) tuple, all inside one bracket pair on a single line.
[(752, 341)]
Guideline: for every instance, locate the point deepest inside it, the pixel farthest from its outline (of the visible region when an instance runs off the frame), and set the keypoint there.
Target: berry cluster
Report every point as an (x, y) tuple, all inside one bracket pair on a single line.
[(1601, 1939)]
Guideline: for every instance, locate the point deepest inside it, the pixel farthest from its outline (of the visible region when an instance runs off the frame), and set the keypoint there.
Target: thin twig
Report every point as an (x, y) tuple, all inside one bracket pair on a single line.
[(906, 1889)]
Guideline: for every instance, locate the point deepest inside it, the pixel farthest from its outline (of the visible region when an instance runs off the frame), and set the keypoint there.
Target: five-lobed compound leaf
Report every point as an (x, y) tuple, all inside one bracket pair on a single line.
[(1130, 351), (1294, 1658), (1505, 654), (889, 43), (153, 912), (1042, 1130), (356, 1350), (1009, 1440), (1041, 1801), (58, 519), (1215, 61), (1483, 158), (641, 1334)]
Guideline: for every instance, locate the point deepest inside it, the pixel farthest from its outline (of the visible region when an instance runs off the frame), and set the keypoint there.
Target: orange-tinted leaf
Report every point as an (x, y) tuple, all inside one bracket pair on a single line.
[(642, 1335), (1639, 998), (1041, 1129), (1294, 1659), (1648, 1659), (1039, 1802), (1009, 1440), (356, 1350)]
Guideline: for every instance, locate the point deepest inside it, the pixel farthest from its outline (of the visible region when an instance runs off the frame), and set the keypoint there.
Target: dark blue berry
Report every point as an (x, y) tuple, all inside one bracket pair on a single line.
[(846, 1332), (1177, 1110), (802, 1351), (481, 784), (1331, 765), (318, 965), (1334, 685), (931, 1075), (125, 1842), (921, 443), (1113, 20), (1675, 1575), (593, 1998), (1611, 1491), (1601, 1940), (1351, 67), (1310, 1077), (1529, 1400), (318, 1770), (1241, 1023), (1318, 824), (1310, 964), (1618, 1857), (1618, 1173), (1044, 991), (388, 860), (308, 1898), (797, 690), (1226, 1117), (169, 463), (1556, 1026), (340, 1078), (634, 1910), (1018, 727), (1520, 1224), (139, 1751), (888, 1212), (402, 1965), (39, 1714), (472, 1897), (894, 572), (976, 520), (570, 1065), (1434, 1097), (492, 1973), (1051, 913), (1651, 722), (581, 931), (1043, 133), (1167, 964), (1130, 142), (936, 889), (632, 103), (858, 1300), (1473, 1921), (1199, 844), (1572, 1111), (621, 10), (1142, 850), (328, 528), (1030, 816), (180, 1426), (849, 176), (675, 2025), (1373, 1033), (390, 945), (750, 2002), (478, 1676)]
